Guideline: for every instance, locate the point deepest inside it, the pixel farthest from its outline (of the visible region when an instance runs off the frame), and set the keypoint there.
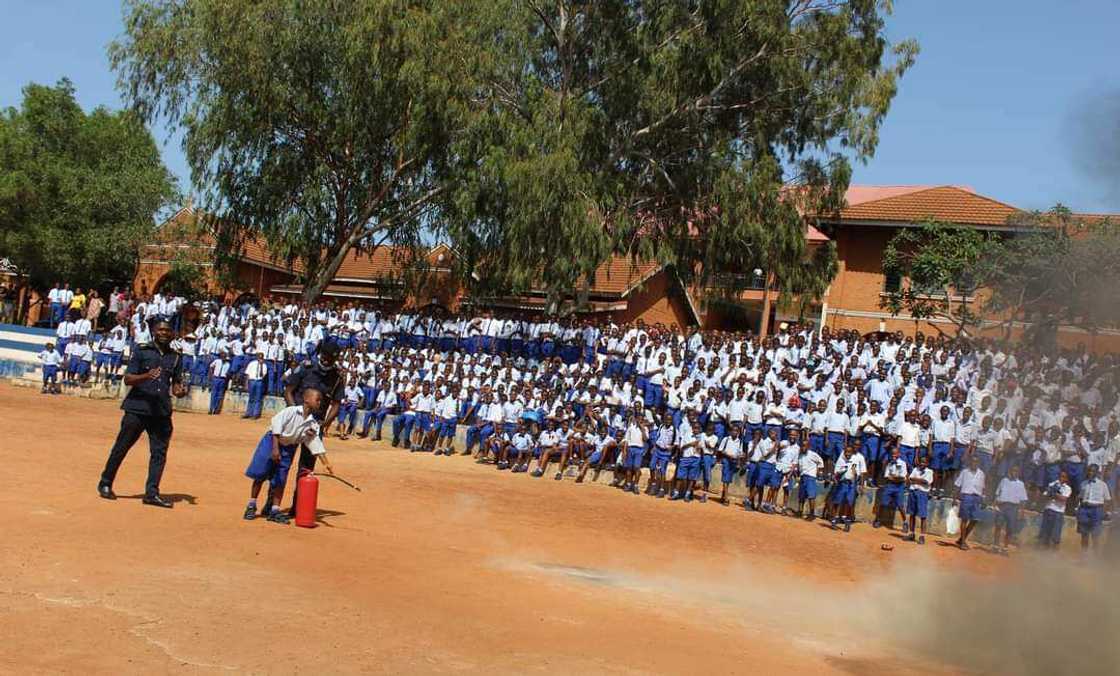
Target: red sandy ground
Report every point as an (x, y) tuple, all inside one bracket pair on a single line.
[(439, 565)]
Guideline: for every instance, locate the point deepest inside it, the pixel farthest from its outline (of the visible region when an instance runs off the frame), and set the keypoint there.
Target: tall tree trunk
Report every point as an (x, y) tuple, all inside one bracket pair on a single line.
[(764, 323)]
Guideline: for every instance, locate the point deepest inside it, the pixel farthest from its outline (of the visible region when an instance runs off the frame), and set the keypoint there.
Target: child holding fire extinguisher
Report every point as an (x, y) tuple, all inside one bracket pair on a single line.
[(273, 456)]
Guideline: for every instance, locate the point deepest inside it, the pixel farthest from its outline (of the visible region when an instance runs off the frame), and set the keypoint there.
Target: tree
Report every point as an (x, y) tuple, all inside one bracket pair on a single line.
[(938, 268), (78, 191), (663, 130), (319, 125), (1061, 269), (538, 137)]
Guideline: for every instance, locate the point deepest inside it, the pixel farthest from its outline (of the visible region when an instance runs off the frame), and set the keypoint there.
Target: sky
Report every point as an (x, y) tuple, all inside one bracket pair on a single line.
[(1018, 100)]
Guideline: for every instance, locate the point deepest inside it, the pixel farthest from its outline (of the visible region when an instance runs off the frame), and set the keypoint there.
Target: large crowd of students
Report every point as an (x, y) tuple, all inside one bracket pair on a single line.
[(816, 414)]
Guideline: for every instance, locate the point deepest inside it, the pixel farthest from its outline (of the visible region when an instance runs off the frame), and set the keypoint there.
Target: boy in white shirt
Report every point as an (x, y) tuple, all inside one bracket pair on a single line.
[(1096, 499), (1053, 516), (730, 458), (917, 502), (690, 448), (50, 359), (895, 473), (1010, 496), (272, 459), (849, 472), (809, 466), (447, 418)]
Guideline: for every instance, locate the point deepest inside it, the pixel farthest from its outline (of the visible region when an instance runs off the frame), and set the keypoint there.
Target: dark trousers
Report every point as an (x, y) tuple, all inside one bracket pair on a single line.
[(159, 437)]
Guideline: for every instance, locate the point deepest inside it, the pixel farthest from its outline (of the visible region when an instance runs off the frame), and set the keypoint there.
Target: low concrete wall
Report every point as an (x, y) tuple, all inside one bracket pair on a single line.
[(942, 520)]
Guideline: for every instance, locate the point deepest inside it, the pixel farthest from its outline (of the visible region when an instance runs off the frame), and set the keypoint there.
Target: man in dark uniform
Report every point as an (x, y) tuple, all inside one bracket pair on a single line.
[(321, 375), (154, 373)]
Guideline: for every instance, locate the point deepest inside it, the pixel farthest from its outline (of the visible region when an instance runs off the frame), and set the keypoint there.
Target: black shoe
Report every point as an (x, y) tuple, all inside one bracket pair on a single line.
[(278, 516), (106, 491), (250, 513), (156, 501)]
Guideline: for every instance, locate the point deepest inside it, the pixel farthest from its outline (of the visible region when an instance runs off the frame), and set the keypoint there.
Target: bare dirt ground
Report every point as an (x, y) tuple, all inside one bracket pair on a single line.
[(439, 565)]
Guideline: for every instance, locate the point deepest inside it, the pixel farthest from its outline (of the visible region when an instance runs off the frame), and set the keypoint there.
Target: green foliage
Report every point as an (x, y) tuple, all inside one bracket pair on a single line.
[(185, 277), (660, 130), (1062, 270), (316, 124), (941, 266), (78, 192), (538, 137)]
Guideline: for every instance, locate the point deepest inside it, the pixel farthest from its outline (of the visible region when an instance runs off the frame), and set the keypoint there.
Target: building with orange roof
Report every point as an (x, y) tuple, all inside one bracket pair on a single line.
[(625, 290)]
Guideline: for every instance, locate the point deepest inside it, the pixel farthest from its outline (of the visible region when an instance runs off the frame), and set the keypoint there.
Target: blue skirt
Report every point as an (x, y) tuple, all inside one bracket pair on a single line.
[(262, 466)]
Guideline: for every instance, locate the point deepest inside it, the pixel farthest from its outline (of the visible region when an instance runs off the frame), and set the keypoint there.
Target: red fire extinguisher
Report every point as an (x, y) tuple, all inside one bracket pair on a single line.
[(308, 488)]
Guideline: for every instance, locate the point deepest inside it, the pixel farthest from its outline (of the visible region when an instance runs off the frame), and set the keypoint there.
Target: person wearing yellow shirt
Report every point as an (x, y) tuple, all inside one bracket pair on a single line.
[(78, 302)]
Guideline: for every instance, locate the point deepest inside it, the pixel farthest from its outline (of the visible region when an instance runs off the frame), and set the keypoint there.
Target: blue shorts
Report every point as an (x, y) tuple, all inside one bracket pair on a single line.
[(870, 445), (634, 457), (50, 373), (659, 461), (728, 468), (942, 457), (101, 359), (971, 506), (816, 443), (447, 428), (890, 497), (908, 453), (1008, 515), (834, 445), (760, 474), (774, 476), (917, 504), (262, 466), (986, 461), (1050, 532), (808, 488), (1090, 518), (688, 469), (844, 493)]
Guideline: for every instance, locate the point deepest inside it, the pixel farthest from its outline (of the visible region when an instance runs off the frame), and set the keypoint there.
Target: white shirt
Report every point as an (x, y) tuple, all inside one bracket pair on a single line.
[(1095, 492), (810, 463), (970, 481), (924, 475), (1063, 490), (256, 370), (1012, 491), (292, 427)]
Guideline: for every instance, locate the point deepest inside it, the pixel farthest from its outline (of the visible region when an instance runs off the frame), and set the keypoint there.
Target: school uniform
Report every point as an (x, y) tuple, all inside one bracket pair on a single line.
[(447, 411), (894, 475), (348, 408), (1053, 515), (290, 428), (848, 472), (917, 501), (836, 425), (635, 447), (50, 359), (1010, 496), (809, 465), (731, 457), (688, 467), (219, 376), (663, 449), (255, 374), (1090, 512), (941, 458)]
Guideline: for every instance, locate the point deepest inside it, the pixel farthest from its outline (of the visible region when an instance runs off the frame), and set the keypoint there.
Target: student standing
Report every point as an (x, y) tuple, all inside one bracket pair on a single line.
[(255, 374), (1053, 515), (154, 374), (1095, 501), (917, 501), (1011, 494), (219, 376)]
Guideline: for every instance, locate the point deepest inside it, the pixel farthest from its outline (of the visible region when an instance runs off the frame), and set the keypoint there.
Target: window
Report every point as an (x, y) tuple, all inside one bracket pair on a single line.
[(892, 282)]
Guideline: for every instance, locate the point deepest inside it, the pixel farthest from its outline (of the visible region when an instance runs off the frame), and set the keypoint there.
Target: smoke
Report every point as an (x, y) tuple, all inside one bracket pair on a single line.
[(1040, 615), (1095, 141)]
